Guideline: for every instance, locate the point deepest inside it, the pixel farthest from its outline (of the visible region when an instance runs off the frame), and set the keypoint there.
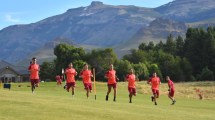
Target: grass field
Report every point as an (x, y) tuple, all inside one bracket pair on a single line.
[(53, 103)]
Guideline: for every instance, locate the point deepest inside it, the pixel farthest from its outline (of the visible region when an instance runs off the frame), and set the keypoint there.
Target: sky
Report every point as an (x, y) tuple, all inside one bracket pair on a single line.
[(14, 12)]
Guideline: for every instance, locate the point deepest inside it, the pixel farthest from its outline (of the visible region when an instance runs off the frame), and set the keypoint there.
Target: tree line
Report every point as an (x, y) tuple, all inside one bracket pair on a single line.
[(188, 59)]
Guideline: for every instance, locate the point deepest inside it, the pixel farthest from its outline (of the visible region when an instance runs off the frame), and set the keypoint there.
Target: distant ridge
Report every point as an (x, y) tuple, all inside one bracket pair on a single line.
[(99, 26)]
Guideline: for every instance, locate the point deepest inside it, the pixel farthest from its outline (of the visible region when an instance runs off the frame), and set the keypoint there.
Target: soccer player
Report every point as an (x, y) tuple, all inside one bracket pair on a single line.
[(86, 75), (59, 80), (154, 81), (34, 69), (111, 76), (171, 90), (131, 84), (70, 78)]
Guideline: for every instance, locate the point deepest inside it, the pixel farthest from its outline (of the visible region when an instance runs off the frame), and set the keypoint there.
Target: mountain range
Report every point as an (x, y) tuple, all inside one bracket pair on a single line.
[(100, 26)]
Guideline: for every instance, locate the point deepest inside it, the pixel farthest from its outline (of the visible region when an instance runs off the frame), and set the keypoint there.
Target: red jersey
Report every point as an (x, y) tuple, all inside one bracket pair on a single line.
[(86, 76), (57, 77), (171, 85), (131, 80), (34, 71), (70, 75), (155, 81), (111, 75)]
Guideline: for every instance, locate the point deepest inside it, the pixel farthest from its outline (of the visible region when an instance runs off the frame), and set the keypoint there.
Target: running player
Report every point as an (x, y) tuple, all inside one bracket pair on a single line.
[(70, 78), (111, 76), (154, 81), (59, 80), (86, 75), (34, 69), (171, 90), (131, 84)]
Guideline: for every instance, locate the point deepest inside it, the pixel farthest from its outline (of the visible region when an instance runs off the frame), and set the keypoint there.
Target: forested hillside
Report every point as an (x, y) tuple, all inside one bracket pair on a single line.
[(189, 59)]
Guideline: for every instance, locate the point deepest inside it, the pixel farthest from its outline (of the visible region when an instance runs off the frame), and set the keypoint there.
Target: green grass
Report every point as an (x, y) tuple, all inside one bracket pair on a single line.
[(53, 103)]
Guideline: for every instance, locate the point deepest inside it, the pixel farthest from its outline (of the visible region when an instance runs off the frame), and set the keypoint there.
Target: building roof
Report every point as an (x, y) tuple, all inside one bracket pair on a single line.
[(21, 70)]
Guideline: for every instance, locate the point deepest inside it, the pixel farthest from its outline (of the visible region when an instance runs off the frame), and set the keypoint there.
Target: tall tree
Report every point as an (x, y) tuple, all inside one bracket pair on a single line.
[(199, 48), (211, 48), (141, 71), (136, 56), (193, 45), (151, 46), (142, 46), (159, 46), (179, 46), (122, 68), (101, 59), (66, 54), (170, 46), (47, 71)]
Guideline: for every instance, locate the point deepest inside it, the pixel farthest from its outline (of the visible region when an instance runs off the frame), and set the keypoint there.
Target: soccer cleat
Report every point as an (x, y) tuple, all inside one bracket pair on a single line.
[(173, 102), (152, 98), (114, 100), (130, 101), (156, 103), (106, 97)]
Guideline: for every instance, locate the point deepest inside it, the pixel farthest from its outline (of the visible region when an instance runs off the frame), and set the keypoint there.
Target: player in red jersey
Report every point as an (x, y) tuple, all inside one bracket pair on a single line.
[(59, 80), (154, 81), (171, 90), (70, 78), (131, 84), (34, 69), (86, 76), (111, 76)]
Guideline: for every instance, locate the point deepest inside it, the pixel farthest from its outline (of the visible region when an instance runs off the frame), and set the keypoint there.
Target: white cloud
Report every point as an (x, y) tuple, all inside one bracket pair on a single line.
[(9, 18)]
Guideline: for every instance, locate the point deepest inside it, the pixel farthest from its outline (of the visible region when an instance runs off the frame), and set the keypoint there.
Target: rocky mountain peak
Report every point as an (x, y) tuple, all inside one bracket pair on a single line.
[(188, 10), (101, 25), (96, 4)]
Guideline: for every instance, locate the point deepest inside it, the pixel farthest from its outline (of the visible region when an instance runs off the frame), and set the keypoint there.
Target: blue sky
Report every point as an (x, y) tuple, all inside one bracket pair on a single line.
[(29, 11)]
